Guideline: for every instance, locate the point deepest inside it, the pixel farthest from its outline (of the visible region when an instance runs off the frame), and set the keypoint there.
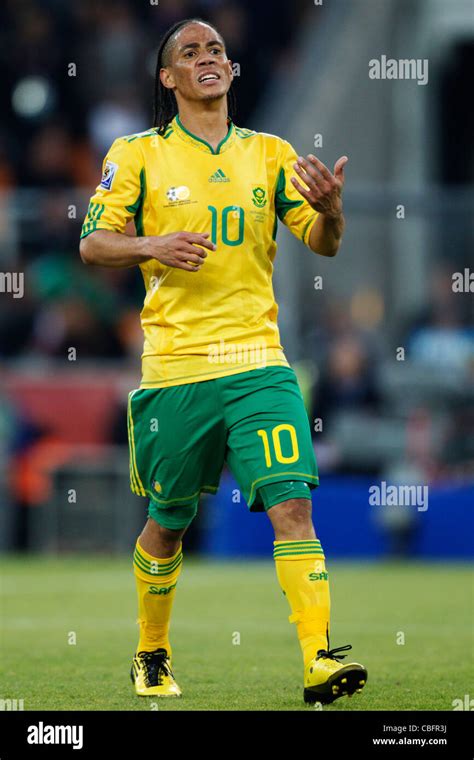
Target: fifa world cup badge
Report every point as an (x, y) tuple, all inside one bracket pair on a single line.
[(110, 169)]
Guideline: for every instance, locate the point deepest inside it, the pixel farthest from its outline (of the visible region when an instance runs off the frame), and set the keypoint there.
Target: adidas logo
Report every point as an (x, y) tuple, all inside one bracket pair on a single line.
[(218, 176)]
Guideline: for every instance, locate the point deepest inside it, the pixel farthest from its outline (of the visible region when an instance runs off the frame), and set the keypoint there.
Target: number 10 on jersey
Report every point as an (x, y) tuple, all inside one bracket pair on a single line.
[(230, 235)]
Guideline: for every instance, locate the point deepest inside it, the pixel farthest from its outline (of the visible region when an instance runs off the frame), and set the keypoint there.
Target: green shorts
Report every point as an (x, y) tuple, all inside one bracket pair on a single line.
[(255, 421)]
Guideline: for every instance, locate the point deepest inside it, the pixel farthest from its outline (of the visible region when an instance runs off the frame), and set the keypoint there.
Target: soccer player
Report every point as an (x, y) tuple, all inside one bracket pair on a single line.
[(216, 387)]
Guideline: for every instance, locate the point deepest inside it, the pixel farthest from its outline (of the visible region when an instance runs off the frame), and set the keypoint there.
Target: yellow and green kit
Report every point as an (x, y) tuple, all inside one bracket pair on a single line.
[(216, 384)]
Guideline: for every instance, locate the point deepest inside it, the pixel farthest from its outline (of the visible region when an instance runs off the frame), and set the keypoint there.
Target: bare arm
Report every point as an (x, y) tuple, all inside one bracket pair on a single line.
[(326, 234), (324, 194), (181, 250)]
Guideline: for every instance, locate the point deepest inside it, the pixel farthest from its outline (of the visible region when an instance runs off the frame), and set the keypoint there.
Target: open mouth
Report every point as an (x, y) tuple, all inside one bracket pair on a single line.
[(208, 78)]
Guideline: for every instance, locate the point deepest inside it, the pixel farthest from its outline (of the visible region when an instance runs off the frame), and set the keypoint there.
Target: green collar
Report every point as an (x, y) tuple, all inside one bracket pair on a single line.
[(201, 144)]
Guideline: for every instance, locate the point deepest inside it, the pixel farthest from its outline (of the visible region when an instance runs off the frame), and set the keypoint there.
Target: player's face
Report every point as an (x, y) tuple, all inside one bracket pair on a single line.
[(200, 69)]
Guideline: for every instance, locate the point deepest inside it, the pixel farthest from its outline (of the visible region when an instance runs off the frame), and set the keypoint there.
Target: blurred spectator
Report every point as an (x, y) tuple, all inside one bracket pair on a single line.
[(48, 160), (77, 310), (111, 118), (347, 382), (440, 337)]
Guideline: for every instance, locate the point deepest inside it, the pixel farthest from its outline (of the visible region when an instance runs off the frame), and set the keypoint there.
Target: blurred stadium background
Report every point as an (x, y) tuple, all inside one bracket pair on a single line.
[(409, 203), (303, 73), (74, 77)]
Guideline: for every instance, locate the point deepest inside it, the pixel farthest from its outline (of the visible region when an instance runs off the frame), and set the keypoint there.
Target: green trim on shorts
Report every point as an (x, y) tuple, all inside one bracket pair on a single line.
[(281, 477), (181, 499), (276, 493), (173, 518)]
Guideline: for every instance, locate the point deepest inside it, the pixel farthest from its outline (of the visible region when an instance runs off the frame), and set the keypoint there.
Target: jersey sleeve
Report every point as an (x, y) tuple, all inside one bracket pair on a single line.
[(119, 196), (292, 209)]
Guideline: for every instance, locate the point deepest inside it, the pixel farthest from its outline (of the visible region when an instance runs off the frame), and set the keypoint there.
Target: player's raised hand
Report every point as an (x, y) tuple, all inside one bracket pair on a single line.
[(324, 190), (182, 250)]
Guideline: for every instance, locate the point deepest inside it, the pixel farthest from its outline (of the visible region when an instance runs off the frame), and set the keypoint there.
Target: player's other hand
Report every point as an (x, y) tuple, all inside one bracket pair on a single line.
[(182, 250), (324, 190)]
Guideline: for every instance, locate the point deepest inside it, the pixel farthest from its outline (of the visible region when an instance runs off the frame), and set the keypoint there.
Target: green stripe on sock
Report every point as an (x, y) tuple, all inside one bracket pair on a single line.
[(297, 548), (160, 573), (298, 551), (288, 552), (311, 552), (308, 547), (139, 565), (162, 565), (145, 565), (297, 543), (169, 570), (160, 569)]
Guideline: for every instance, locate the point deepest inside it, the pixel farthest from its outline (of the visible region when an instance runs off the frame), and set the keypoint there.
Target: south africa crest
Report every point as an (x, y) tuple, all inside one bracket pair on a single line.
[(259, 198)]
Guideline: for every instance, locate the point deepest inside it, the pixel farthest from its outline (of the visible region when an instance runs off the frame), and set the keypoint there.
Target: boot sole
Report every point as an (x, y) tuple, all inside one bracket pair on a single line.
[(346, 681)]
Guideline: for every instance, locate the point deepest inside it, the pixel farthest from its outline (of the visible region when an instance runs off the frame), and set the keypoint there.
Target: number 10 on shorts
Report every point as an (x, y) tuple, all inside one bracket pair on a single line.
[(277, 452)]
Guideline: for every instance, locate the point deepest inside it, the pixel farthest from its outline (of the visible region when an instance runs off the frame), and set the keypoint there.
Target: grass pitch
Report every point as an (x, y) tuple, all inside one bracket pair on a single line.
[(47, 603)]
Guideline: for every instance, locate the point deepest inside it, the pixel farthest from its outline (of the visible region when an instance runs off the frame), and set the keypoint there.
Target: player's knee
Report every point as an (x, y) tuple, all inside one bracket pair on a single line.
[(297, 511), (299, 506), (169, 535), (290, 514), (292, 520)]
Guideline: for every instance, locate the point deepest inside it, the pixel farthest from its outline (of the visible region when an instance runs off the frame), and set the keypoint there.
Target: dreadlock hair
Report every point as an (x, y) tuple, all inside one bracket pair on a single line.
[(165, 107)]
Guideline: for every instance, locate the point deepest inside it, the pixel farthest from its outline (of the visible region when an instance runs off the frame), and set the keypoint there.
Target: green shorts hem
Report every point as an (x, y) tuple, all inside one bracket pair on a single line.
[(255, 502), (180, 500), (173, 518)]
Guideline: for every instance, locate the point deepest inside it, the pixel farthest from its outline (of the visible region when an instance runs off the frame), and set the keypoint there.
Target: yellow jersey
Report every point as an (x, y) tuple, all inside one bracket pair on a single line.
[(222, 319)]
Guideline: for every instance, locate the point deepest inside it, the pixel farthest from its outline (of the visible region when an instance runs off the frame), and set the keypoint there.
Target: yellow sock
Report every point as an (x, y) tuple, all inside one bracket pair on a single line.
[(302, 575), (156, 581)]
